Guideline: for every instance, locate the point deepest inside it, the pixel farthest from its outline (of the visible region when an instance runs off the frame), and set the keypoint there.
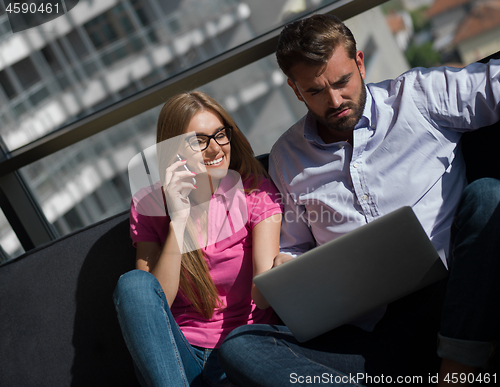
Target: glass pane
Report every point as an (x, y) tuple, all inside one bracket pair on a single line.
[(89, 181), (26, 72), (38, 96), (10, 247), (6, 83), (108, 36)]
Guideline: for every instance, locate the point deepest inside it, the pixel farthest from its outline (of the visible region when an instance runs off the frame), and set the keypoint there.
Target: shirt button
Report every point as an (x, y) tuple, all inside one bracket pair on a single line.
[(365, 197), (355, 165)]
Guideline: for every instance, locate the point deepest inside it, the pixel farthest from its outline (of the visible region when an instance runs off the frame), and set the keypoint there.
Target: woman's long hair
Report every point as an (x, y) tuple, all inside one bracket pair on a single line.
[(175, 116)]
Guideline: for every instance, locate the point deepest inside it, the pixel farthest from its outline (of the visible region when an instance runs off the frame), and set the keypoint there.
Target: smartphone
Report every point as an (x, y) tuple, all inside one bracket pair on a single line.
[(185, 191), (186, 168)]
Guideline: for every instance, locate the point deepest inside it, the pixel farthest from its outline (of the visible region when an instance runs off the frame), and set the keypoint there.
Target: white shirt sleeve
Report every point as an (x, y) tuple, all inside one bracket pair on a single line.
[(459, 99), (296, 237)]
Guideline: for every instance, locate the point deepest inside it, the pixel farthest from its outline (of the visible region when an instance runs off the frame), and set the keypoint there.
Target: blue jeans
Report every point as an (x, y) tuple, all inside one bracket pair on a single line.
[(161, 353), (403, 343), (470, 326)]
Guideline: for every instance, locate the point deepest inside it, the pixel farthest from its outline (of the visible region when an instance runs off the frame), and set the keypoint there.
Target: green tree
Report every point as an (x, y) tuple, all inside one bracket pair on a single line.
[(392, 6), (423, 55), (420, 20)]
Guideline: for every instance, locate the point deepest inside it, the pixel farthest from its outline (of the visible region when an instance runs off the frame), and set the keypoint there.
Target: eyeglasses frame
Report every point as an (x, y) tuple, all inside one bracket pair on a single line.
[(210, 137)]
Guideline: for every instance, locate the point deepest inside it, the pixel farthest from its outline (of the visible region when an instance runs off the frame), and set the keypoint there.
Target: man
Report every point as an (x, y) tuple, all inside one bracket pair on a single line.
[(363, 151)]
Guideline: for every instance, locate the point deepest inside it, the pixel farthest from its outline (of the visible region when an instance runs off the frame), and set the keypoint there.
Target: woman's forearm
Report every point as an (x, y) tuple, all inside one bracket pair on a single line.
[(168, 267), (265, 247), (258, 298)]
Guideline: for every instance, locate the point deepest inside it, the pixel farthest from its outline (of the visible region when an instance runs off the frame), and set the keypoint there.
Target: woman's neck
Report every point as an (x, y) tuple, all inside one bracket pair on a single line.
[(206, 187)]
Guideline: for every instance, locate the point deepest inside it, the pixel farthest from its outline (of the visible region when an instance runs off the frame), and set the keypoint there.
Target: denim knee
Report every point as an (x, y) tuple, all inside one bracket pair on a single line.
[(235, 340), (483, 196), (135, 285), (478, 213), (471, 315)]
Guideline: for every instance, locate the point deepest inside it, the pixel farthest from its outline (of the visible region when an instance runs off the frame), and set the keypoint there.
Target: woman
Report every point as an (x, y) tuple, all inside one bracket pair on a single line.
[(194, 283)]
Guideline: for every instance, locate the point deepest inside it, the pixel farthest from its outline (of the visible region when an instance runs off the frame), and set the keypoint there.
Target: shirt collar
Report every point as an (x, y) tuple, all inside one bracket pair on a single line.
[(311, 129), (228, 184), (370, 114)]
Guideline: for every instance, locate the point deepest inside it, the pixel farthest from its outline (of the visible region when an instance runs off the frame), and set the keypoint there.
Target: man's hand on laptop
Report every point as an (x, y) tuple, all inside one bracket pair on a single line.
[(281, 258)]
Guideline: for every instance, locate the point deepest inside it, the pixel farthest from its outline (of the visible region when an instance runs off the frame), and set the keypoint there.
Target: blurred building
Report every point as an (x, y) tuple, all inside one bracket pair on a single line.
[(478, 35), (411, 5), (465, 30), (383, 58), (401, 26), (445, 16)]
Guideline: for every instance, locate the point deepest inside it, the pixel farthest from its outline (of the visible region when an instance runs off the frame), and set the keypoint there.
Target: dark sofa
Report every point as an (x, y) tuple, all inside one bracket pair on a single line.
[(58, 324), (57, 321)]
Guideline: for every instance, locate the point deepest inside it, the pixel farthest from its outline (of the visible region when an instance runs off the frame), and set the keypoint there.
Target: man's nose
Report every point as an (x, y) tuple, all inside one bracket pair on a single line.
[(335, 98)]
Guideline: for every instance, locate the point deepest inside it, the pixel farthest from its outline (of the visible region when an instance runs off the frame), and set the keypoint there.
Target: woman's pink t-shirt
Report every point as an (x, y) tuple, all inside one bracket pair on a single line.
[(229, 261)]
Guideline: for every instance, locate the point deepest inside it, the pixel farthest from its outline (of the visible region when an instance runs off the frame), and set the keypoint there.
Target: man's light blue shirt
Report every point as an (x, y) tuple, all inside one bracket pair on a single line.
[(404, 153)]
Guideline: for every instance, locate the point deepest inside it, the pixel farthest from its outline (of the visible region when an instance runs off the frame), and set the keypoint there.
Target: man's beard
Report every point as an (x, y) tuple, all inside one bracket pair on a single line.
[(347, 123)]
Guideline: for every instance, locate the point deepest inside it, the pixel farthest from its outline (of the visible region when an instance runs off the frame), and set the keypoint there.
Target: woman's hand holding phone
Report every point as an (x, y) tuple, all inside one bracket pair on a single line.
[(178, 185)]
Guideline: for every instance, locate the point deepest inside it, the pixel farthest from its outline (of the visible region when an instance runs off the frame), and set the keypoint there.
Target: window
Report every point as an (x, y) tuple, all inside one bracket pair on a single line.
[(26, 72), (114, 55), (5, 27), (122, 186), (38, 96), (51, 58), (143, 11), (174, 25), (7, 85), (101, 31), (77, 45), (63, 82), (90, 67), (10, 247), (73, 220), (112, 25), (123, 20), (20, 108)]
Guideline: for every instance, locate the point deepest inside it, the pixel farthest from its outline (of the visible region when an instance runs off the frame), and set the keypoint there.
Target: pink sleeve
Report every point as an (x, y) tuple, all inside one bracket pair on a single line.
[(263, 202), (142, 228)]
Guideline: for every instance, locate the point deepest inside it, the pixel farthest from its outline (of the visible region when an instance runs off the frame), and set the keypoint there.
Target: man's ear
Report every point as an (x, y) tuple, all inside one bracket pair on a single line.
[(360, 61), (295, 90)]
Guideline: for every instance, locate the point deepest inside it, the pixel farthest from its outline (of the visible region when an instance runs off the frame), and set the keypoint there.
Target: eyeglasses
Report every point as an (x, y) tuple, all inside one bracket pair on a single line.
[(200, 142)]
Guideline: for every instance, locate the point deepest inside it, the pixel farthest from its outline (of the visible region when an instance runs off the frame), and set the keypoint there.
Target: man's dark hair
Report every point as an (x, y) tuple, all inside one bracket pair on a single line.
[(312, 41)]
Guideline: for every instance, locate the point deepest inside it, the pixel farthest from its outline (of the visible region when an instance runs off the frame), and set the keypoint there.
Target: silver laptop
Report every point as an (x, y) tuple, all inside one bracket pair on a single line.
[(337, 282)]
